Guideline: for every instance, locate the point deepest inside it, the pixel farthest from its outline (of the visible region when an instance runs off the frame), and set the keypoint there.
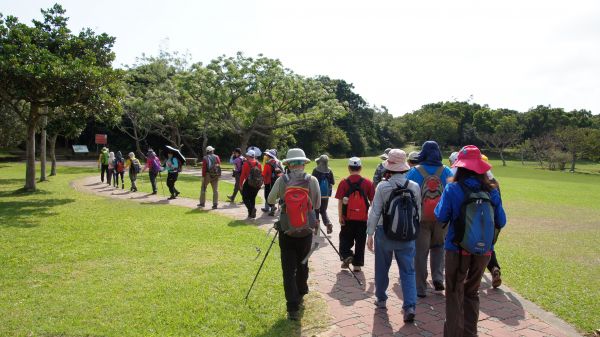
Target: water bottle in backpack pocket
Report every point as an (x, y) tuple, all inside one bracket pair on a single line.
[(475, 230), (297, 217), (431, 192), (401, 214)]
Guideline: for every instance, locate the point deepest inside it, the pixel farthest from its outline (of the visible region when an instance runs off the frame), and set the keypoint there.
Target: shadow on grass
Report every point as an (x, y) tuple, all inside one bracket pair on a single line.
[(285, 327), (21, 192), (241, 223), (11, 181), (27, 214)]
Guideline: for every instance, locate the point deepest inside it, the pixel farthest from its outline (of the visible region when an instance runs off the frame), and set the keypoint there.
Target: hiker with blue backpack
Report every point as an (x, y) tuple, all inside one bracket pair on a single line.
[(300, 197), (211, 171), (354, 195), (271, 172), (134, 167), (392, 228), (326, 181), (251, 180), (431, 176), (153, 166), (471, 206)]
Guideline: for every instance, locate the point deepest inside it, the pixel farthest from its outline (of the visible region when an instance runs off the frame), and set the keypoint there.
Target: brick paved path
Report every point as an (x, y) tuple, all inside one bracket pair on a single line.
[(503, 313)]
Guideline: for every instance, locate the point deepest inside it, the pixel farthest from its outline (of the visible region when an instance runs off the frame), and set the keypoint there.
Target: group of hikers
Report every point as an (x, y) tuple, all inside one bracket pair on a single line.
[(415, 207)]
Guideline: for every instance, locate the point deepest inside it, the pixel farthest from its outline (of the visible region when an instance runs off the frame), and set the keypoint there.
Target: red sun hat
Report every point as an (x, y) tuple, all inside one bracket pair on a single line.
[(469, 157)]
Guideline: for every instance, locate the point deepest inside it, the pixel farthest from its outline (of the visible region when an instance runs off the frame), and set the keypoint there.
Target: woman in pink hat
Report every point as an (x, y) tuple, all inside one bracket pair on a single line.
[(472, 207)]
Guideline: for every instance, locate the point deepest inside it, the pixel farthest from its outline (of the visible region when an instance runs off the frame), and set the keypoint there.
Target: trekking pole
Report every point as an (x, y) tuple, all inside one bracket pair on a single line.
[(162, 187), (340, 255), (259, 268)]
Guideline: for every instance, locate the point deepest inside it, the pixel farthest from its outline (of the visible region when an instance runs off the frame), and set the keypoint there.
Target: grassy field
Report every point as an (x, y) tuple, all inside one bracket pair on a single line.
[(550, 250), (75, 264)]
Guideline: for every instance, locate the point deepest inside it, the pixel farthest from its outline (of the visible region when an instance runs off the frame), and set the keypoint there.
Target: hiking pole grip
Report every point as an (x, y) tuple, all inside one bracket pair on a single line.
[(260, 268), (340, 255)]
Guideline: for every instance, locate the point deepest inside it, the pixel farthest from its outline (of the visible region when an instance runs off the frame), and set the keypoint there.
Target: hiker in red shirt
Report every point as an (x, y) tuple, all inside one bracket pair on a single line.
[(272, 171), (354, 195), (251, 181)]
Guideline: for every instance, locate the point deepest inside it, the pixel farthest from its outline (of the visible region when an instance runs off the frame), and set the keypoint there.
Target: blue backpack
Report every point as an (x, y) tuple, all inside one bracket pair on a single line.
[(324, 186), (475, 230)]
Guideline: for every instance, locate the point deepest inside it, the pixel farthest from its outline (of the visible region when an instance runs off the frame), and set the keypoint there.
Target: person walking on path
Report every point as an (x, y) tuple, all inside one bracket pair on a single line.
[(103, 164), (271, 171), (493, 266), (237, 160), (153, 167), (300, 189), (119, 170), (431, 175), (211, 171), (171, 165), (413, 158), (251, 181), (379, 171), (386, 248), (326, 181), (134, 167), (466, 259), (111, 167), (354, 195)]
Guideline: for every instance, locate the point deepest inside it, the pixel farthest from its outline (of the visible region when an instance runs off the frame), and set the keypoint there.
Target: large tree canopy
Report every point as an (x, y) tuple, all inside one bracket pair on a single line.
[(47, 66)]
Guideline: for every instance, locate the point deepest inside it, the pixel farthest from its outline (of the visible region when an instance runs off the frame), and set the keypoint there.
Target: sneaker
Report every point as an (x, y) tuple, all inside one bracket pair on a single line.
[(293, 315), (154, 192), (200, 205), (214, 207), (272, 212), (264, 209), (357, 268), (346, 262), (380, 304), (329, 228), (409, 315), (438, 285), (229, 198), (496, 279), (177, 193), (171, 197), (421, 295)]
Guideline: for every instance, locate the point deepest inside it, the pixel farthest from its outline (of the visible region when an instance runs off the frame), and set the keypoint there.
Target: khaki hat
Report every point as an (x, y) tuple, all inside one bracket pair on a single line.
[(295, 154)]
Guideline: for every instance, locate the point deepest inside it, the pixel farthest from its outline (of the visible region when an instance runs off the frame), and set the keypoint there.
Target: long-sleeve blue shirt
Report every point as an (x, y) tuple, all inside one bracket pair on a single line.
[(448, 209)]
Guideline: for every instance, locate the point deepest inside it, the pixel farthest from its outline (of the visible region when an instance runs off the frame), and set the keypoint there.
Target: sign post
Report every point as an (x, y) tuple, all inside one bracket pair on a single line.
[(101, 138)]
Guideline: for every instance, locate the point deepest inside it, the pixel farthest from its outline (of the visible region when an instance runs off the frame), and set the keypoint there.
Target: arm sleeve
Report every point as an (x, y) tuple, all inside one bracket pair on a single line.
[(315, 192), (499, 214), (244, 175), (331, 178), (371, 194), (375, 210), (204, 165), (274, 194), (443, 210), (341, 190)]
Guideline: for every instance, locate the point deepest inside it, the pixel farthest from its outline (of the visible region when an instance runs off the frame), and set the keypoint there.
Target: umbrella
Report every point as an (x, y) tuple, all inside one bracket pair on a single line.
[(256, 150), (176, 153)]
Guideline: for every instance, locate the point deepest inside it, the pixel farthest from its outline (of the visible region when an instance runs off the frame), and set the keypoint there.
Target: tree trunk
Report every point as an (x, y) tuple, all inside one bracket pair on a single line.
[(138, 148), (245, 140), (43, 142), (204, 137), (53, 154), (190, 147), (522, 156), (573, 159), (30, 165), (501, 150)]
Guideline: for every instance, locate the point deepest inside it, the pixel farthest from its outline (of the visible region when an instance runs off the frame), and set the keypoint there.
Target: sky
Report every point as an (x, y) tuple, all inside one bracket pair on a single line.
[(401, 54)]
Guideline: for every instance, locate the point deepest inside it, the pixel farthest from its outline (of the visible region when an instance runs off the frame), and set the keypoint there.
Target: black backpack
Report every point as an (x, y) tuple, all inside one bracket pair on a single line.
[(401, 215)]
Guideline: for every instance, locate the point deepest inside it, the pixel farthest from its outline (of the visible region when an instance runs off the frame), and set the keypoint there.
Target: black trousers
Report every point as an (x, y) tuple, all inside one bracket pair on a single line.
[(109, 175), (493, 262), (354, 233), (295, 274), (267, 191), (236, 188), (171, 179), (104, 169), (153, 180), (249, 196), (116, 178)]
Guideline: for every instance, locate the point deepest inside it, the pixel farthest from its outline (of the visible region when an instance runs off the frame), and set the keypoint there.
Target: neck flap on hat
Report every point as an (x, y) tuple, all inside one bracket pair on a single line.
[(430, 154), (322, 166)]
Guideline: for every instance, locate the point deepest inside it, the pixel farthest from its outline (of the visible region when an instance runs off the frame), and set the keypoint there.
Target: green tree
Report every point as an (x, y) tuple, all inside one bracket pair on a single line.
[(579, 142), (47, 66), (498, 129), (67, 123)]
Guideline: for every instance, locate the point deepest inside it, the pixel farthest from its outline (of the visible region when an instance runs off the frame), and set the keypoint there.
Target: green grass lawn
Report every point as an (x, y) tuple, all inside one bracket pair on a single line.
[(75, 264), (550, 250)]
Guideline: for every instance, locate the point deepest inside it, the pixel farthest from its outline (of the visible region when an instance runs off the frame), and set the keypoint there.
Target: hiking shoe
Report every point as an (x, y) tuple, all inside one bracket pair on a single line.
[(496, 279), (171, 197), (409, 315), (215, 207), (329, 228), (264, 209), (229, 198), (421, 295), (177, 193), (272, 213), (154, 192), (357, 269), (380, 304), (346, 262), (293, 315), (438, 285), (200, 205)]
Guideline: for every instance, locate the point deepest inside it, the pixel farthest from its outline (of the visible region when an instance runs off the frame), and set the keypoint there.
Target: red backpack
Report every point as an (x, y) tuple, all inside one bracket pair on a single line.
[(297, 215), (357, 207), (120, 165), (431, 192)]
